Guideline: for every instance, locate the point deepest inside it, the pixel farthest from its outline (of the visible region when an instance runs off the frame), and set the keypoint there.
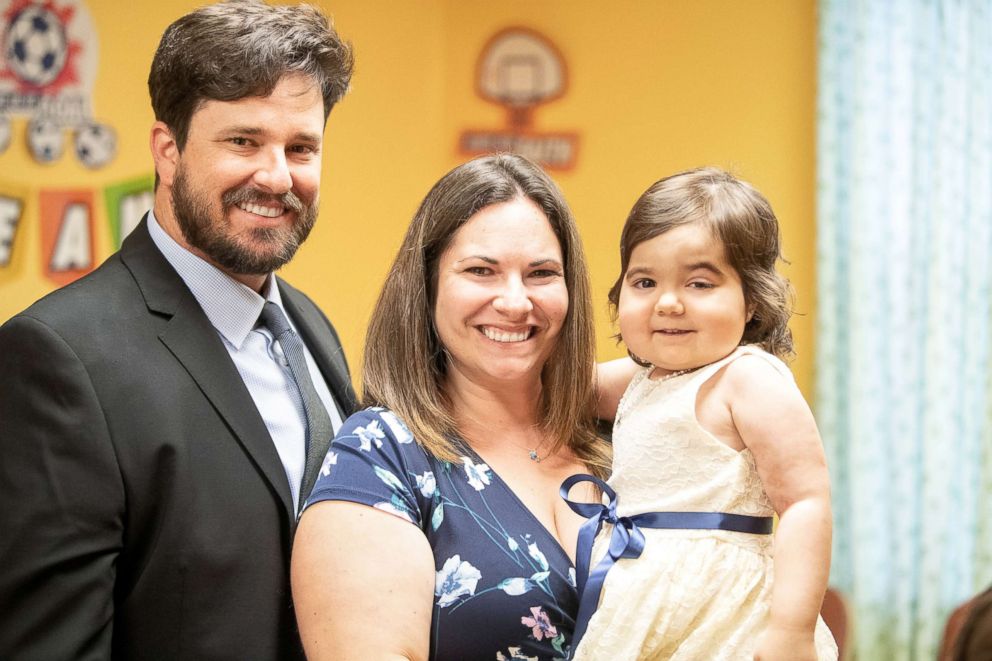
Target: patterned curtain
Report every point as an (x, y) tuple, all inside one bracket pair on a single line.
[(904, 344)]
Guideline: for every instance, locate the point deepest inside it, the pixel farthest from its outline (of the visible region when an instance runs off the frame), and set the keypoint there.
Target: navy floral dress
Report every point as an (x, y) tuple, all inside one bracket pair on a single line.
[(504, 587)]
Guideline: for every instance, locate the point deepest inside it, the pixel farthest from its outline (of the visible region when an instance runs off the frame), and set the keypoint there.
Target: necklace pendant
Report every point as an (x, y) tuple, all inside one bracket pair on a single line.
[(534, 457)]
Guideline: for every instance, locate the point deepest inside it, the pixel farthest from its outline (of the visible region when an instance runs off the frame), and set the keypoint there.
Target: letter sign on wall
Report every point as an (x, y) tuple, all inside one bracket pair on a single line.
[(67, 234), (10, 216)]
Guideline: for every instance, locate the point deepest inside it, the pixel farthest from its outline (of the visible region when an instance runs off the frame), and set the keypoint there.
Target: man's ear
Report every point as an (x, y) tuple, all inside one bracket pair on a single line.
[(165, 152)]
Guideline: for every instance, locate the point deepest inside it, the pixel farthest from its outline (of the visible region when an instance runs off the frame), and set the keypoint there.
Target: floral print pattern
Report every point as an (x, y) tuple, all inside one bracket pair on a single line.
[(478, 474), (513, 654), (504, 588), (539, 624), (427, 484), (370, 434), (455, 579), (330, 459)]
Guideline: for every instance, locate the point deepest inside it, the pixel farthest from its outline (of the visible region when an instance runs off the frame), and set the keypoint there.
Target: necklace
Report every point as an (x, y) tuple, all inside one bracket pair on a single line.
[(633, 398), (676, 374), (533, 452)]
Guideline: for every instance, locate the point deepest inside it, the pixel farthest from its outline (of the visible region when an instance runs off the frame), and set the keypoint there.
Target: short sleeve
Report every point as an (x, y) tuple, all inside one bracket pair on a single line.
[(375, 461)]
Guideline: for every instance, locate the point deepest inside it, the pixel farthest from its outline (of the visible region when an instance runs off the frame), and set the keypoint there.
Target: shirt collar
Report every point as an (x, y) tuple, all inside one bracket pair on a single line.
[(231, 307)]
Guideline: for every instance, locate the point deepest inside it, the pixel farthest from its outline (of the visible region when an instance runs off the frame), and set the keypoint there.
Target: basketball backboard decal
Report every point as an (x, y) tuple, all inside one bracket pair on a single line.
[(520, 69)]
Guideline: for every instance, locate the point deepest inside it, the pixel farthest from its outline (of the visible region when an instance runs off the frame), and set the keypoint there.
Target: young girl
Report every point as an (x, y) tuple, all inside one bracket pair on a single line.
[(712, 437)]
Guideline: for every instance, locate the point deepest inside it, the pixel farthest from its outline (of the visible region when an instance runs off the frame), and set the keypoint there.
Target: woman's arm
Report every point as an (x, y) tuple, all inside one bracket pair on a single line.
[(776, 424), (612, 379), (363, 584)]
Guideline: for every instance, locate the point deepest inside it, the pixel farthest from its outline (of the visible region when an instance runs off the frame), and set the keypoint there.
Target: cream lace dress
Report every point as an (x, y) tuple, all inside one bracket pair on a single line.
[(693, 594)]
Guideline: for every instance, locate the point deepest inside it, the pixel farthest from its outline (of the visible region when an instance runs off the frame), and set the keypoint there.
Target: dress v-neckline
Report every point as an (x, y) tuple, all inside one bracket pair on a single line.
[(475, 456)]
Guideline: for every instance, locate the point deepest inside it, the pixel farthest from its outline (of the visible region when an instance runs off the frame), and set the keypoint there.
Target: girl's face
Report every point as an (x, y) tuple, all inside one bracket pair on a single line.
[(501, 295), (681, 302)]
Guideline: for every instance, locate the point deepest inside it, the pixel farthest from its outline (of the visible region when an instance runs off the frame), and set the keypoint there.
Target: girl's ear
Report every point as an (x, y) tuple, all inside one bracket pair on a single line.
[(750, 313)]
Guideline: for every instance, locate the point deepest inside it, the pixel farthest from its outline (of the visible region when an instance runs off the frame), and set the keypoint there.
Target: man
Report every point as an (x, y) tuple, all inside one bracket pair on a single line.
[(158, 431)]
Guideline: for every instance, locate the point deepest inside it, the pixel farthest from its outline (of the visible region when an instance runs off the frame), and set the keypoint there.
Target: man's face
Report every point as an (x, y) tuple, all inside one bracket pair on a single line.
[(246, 184)]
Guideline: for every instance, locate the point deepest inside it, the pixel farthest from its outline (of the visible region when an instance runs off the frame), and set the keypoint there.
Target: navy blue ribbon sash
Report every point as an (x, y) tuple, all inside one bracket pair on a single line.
[(627, 540)]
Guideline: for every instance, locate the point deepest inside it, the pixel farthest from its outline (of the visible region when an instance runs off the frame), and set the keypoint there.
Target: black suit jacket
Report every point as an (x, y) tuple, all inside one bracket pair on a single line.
[(144, 511)]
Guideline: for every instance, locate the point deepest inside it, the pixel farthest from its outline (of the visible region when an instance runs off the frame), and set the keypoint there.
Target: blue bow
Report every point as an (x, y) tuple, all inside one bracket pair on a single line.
[(627, 540)]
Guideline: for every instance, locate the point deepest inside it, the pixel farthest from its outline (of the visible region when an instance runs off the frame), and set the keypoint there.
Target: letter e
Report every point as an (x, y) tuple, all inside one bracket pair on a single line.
[(10, 215)]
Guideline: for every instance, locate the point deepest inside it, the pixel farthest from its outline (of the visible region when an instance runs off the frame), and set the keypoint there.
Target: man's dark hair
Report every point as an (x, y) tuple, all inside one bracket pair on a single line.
[(242, 48)]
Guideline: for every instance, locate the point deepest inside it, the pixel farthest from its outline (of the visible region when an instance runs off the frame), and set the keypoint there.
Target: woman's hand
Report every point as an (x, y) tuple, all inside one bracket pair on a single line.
[(781, 644)]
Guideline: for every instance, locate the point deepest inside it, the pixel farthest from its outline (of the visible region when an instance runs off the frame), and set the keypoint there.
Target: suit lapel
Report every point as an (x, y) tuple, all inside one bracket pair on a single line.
[(196, 345)]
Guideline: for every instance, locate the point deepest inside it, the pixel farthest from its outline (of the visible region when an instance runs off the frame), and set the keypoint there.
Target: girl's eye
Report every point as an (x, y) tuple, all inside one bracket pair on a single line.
[(699, 284), (643, 283)]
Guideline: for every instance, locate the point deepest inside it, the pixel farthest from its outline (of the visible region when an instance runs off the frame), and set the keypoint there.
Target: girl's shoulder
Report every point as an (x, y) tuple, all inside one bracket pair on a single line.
[(752, 359), (750, 372)]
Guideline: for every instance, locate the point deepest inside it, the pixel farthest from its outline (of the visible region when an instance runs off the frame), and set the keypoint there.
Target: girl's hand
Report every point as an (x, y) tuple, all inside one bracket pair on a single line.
[(777, 643)]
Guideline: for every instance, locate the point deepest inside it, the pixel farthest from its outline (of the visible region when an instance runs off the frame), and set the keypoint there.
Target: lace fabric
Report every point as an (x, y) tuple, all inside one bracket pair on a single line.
[(693, 594)]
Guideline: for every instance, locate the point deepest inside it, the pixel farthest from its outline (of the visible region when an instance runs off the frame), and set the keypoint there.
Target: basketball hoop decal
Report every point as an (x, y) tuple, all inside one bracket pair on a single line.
[(521, 69)]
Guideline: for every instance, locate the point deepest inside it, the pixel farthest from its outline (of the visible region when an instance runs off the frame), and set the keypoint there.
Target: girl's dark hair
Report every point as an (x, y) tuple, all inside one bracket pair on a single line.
[(743, 220)]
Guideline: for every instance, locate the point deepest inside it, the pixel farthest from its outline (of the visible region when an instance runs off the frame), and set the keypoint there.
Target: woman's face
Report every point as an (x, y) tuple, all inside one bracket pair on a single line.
[(501, 295)]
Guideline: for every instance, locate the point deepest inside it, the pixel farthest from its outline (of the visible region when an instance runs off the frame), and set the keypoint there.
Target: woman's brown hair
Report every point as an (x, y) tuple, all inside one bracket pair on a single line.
[(405, 363)]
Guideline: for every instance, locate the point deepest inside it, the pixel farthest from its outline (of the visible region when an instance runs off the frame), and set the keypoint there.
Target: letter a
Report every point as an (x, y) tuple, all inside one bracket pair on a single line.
[(72, 247)]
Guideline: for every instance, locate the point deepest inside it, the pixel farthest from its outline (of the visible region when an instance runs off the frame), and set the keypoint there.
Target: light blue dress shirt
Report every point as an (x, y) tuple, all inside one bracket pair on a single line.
[(233, 310)]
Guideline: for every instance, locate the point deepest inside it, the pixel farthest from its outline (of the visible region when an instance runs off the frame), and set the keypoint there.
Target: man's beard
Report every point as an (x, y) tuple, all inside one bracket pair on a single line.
[(215, 238)]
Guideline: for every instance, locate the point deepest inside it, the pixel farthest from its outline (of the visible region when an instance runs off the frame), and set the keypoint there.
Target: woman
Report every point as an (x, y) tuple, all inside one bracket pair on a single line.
[(478, 363)]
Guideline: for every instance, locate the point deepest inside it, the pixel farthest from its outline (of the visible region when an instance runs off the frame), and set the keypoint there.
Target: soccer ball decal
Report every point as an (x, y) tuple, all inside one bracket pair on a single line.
[(45, 140), (96, 145), (35, 46), (5, 132)]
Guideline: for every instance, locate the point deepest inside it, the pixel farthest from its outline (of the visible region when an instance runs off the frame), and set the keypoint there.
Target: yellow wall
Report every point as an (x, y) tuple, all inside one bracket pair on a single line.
[(656, 86)]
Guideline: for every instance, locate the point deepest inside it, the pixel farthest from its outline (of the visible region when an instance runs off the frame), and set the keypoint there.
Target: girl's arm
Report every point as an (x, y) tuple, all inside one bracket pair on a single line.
[(356, 595), (612, 379), (775, 423)]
